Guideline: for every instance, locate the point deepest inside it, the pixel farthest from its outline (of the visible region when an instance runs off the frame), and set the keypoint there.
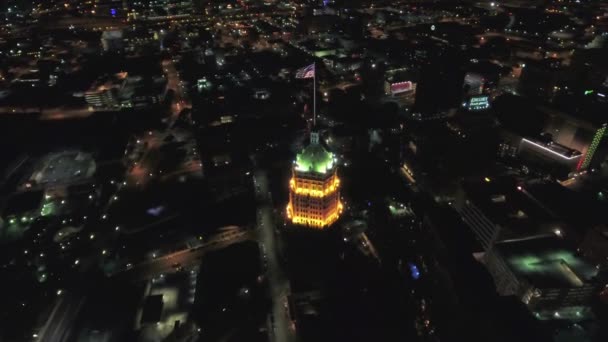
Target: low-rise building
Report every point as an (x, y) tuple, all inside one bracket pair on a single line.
[(546, 274)]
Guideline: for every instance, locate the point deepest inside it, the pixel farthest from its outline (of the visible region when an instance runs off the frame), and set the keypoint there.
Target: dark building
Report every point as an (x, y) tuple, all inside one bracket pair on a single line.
[(541, 78), (440, 85)]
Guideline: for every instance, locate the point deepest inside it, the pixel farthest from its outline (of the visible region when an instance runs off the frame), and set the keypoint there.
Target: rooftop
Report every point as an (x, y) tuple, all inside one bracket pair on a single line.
[(555, 149), (504, 204), (546, 262), (64, 167), (153, 307), (314, 158)]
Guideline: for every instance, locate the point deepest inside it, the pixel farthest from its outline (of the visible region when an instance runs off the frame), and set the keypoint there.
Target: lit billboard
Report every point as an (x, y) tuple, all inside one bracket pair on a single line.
[(479, 103), (401, 87)]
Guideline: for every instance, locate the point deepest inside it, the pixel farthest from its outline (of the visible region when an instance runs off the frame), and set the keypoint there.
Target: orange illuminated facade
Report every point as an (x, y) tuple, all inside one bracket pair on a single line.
[(314, 189)]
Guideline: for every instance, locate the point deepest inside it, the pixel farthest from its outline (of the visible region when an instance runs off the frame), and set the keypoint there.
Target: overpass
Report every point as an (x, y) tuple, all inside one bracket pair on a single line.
[(185, 257)]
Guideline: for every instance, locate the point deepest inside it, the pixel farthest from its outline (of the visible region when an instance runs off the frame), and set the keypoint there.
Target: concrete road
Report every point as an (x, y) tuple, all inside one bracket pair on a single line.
[(282, 329)]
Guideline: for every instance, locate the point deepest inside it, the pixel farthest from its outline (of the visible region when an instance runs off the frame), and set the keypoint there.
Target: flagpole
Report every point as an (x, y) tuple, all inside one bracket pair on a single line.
[(314, 95)]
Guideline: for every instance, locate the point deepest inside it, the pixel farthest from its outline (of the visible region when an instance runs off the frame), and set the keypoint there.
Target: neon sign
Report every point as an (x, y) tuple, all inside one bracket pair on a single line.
[(479, 103), (401, 87)]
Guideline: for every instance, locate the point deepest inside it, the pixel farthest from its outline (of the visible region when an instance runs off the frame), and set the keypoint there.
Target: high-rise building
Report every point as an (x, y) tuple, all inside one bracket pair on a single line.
[(444, 76), (314, 189)]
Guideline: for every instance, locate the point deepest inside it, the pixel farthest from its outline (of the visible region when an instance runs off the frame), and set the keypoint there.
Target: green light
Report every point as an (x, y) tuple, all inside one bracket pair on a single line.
[(47, 209), (597, 138), (314, 158), (479, 103), (12, 221), (588, 92)]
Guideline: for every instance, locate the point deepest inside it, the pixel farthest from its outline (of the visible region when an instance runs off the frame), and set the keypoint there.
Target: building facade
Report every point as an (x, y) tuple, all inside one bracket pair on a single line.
[(102, 98), (314, 189)]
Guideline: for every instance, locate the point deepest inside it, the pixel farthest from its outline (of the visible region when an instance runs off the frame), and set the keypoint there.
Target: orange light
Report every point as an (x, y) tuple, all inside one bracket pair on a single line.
[(312, 222), (312, 192), (289, 211)]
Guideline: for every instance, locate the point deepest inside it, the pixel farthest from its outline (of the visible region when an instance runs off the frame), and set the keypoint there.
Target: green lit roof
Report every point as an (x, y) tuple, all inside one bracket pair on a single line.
[(546, 262), (314, 158)]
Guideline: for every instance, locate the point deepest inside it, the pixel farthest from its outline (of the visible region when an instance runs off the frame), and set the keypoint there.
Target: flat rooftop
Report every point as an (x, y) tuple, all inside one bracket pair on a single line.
[(153, 307), (546, 262), (553, 148), (64, 167), (504, 204)]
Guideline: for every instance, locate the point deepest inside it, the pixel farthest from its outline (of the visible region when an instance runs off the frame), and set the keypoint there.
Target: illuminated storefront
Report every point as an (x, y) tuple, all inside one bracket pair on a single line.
[(314, 189)]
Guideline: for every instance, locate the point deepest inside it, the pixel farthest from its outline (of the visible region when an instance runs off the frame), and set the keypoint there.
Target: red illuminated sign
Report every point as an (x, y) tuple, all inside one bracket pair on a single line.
[(401, 87)]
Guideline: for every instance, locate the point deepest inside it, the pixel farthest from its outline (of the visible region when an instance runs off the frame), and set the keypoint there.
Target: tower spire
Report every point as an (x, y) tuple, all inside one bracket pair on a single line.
[(314, 95)]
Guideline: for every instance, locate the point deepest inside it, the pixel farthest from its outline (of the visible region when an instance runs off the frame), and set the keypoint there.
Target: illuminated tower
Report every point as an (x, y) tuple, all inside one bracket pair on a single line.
[(314, 188), (597, 139)]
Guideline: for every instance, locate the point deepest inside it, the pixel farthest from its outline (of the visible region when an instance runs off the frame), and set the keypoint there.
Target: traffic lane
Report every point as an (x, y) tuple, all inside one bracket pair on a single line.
[(278, 282)]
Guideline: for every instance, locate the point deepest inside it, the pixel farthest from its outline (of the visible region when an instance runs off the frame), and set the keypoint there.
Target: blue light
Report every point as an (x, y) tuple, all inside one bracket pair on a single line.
[(414, 270), (156, 211), (113, 12)]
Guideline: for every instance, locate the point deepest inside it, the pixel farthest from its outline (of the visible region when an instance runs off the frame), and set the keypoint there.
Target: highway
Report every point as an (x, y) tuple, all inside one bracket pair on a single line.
[(282, 330)]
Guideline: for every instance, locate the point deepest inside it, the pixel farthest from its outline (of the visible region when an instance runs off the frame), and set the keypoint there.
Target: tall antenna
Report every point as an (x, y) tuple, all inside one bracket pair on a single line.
[(314, 94)]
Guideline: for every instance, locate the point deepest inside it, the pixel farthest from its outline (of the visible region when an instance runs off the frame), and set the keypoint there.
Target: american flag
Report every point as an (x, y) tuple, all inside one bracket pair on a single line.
[(306, 72)]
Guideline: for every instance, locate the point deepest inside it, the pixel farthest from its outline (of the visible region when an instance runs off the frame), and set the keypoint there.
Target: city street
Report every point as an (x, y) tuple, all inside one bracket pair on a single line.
[(174, 82), (238, 171), (282, 327), (184, 258)]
